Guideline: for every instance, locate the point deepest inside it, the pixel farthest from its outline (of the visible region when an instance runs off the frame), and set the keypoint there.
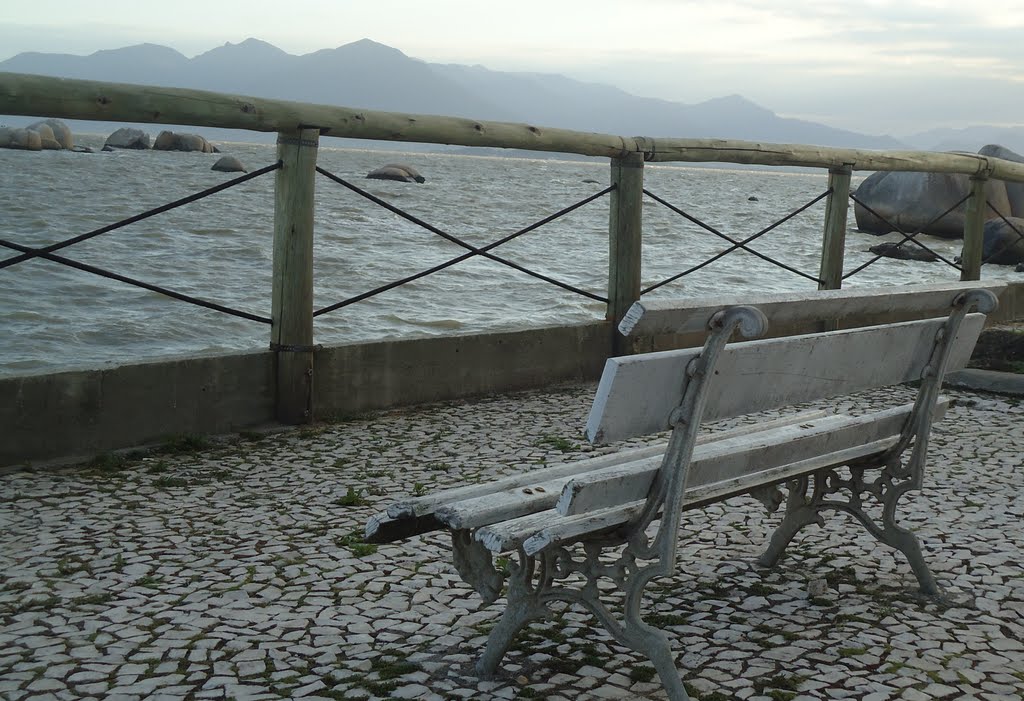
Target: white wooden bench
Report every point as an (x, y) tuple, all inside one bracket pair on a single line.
[(617, 517)]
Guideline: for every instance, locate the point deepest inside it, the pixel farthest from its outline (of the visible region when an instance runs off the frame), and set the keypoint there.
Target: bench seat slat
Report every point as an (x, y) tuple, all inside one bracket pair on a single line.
[(382, 528), (509, 535), (415, 516), (539, 496), (428, 504), (513, 503), (731, 458), (637, 393), (547, 528)]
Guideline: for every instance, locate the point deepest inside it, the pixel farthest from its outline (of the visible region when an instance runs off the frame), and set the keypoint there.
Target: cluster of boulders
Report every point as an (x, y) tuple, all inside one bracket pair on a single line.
[(928, 203), (53, 134), (173, 141), (48, 134)]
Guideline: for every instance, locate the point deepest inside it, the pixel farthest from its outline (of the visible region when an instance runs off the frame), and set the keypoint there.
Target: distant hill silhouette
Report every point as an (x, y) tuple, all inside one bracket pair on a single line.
[(969, 138), (369, 75)]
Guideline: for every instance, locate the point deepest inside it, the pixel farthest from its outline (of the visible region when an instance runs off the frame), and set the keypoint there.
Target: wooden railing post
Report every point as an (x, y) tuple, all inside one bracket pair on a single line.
[(292, 306), (625, 236), (833, 246), (974, 231)]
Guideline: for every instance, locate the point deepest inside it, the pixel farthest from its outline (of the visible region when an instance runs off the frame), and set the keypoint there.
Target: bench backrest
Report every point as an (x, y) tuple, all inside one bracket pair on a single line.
[(637, 393)]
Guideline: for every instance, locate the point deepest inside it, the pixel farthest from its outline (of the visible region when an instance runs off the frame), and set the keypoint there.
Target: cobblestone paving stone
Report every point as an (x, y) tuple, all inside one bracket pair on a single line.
[(235, 571)]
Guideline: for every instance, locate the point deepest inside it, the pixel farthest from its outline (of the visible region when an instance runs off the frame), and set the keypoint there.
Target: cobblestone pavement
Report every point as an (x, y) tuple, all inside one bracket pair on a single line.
[(235, 571)]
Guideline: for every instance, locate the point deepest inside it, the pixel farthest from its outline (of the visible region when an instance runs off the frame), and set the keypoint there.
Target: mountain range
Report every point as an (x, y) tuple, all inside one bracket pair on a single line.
[(369, 75)]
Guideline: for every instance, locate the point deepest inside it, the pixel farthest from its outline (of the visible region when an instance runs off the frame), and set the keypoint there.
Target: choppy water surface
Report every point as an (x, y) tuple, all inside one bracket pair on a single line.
[(220, 248)]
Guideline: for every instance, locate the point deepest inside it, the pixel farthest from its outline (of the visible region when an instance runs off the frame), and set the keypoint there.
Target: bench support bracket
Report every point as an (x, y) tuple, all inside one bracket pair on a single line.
[(896, 477), (533, 587)]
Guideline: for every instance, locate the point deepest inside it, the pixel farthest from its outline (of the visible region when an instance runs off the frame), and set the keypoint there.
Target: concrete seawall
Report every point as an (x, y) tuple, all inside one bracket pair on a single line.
[(80, 414)]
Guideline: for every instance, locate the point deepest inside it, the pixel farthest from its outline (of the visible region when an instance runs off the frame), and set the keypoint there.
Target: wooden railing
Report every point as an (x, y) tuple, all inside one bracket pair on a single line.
[(300, 125)]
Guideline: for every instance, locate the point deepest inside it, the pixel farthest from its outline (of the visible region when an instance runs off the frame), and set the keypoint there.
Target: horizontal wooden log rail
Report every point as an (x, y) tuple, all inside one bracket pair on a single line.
[(34, 95)]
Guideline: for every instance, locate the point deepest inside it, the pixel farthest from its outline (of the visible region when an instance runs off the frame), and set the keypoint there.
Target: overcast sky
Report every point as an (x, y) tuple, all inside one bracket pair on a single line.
[(873, 66)]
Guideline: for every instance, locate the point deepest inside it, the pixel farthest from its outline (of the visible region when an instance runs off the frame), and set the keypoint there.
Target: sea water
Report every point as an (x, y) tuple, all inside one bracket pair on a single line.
[(220, 248)]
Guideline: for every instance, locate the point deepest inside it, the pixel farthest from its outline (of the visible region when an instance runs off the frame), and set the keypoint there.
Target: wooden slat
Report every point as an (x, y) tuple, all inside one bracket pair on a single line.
[(382, 528), (637, 393), (511, 503), (663, 316), (551, 528), (427, 504), (417, 516), (743, 484), (547, 527), (495, 506), (739, 458)]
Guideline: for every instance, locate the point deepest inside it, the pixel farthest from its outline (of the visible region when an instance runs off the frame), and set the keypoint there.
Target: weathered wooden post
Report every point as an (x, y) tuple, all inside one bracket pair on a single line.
[(292, 306), (625, 239), (974, 230), (833, 246)]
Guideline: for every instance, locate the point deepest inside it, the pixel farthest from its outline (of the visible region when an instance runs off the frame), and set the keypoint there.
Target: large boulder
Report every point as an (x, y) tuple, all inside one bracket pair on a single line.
[(127, 138), (1014, 191), (228, 164), (54, 133), (170, 141), (395, 171), (1004, 242), (912, 201)]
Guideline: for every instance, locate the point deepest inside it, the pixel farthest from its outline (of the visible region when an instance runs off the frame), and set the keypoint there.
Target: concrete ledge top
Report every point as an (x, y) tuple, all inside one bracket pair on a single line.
[(987, 381)]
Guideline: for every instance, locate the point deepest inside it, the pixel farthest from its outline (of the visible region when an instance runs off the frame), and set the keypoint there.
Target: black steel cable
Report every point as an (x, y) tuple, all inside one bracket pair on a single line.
[(906, 237), (131, 281), (735, 244), (473, 250), (36, 252)]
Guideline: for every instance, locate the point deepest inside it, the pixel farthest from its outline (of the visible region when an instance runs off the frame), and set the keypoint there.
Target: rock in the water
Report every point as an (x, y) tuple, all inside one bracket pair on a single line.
[(48, 134), (905, 251), (22, 139), (55, 134), (1004, 242), (47, 141), (170, 141), (229, 164), (394, 171), (1014, 191), (127, 138), (914, 201)]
